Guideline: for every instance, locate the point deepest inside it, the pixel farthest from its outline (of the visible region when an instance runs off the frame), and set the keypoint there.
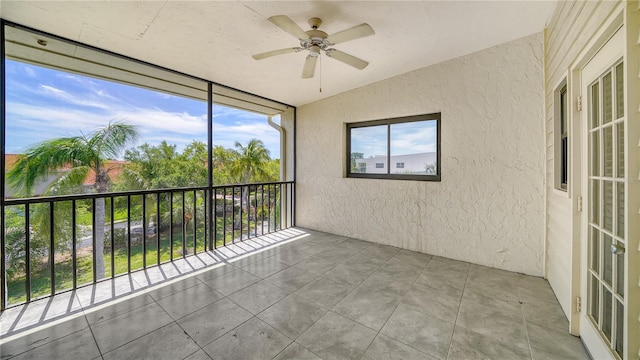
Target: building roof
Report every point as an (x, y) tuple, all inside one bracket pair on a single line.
[(115, 168)]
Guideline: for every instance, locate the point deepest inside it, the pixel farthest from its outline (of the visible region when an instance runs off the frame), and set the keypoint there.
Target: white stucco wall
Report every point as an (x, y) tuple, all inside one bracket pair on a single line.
[(489, 207)]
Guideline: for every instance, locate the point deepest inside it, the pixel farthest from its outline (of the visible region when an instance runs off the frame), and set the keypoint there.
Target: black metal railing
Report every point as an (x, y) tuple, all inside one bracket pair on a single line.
[(59, 243)]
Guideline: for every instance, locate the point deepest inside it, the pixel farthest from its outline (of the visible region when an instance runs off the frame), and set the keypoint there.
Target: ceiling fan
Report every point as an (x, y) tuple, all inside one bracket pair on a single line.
[(317, 41)]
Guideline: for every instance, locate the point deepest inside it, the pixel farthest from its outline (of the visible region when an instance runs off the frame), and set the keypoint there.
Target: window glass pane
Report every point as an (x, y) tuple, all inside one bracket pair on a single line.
[(619, 91), (369, 150), (607, 99), (595, 299), (620, 272), (563, 112), (607, 205), (595, 153), (415, 145), (564, 176), (620, 210), (595, 250), (607, 142), (619, 346), (607, 317), (620, 149), (607, 259), (595, 202), (595, 105)]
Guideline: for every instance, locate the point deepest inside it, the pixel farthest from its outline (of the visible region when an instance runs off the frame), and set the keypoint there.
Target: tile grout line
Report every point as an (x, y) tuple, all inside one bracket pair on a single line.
[(395, 308), (526, 328), (145, 334), (352, 291), (458, 314), (93, 336)]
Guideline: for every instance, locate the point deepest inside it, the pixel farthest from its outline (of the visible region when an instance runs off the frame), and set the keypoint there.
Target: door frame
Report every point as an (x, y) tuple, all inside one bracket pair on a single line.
[(599, 64), (579, 157)]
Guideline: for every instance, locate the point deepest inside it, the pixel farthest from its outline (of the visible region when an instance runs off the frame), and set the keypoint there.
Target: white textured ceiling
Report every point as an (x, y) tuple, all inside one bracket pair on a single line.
[(214, 40)]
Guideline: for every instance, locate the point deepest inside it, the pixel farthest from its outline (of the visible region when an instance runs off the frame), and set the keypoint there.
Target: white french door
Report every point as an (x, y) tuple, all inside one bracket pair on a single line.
[(603, 318)]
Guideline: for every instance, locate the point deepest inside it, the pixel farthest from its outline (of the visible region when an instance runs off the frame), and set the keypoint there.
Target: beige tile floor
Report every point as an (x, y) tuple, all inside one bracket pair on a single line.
[(299, 294)]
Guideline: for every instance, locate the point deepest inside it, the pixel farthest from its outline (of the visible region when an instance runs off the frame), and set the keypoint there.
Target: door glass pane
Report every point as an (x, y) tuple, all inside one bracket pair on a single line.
[(619, 329), (595, 299), (620, 272), (607, 259), (620, 207), (607, 143), (595, 105), (619, 91), (595, 153), (595, 250), (606, 99), (595, 202), (606, 313), (607, 205), (620, 150), (369, 150)]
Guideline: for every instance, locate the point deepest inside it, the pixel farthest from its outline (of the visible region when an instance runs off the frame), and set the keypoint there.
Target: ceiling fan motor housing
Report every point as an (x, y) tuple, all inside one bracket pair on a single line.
[(316, 38)]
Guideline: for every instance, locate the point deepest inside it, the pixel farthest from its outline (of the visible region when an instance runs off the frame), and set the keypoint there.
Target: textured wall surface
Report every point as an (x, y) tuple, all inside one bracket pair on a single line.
[(489, 207)]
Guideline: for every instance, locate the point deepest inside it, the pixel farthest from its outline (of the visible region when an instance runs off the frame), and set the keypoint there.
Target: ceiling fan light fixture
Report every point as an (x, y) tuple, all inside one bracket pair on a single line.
[(314, 50)]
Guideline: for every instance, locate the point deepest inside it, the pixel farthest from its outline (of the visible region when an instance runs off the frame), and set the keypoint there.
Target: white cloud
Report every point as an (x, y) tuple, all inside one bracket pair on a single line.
[(61, 95), (413, 138), (227, 135), (154, 125), (29, 72)]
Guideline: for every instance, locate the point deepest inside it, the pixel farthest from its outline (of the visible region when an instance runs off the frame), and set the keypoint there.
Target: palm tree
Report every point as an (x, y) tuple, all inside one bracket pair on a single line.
[(83, 154), (250, 164)]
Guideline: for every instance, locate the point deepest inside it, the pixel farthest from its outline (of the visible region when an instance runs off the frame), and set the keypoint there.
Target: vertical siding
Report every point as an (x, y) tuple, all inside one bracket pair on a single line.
[(569, 30)]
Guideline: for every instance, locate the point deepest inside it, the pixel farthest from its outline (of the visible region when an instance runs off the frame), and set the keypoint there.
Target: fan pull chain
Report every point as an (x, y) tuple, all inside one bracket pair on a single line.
[(320, 58)]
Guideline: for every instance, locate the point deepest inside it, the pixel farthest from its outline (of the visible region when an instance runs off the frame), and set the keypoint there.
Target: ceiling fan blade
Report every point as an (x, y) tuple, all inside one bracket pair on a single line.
[(274, 53), (286, 24), (347, 59), (309, 68), (355, 32)]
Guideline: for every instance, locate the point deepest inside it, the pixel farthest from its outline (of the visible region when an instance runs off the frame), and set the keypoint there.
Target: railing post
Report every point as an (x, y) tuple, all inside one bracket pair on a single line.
[(74, 238), (128, 233), (52, 260), (171, 224), (158, 227), (113, 243), (184, 229), (94, 231), (27, 246), (144, 231)]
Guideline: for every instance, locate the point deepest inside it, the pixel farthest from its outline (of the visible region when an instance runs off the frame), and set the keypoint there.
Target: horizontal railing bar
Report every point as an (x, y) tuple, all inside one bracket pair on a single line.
[(43, 199)]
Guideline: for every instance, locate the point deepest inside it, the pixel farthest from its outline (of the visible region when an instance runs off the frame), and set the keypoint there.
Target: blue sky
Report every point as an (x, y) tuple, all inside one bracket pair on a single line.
[(406, 138), (43, 104)]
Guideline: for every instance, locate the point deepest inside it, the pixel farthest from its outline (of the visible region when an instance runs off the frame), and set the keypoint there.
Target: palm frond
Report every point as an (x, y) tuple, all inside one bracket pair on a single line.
[(111, 140), (69, 181), (134, 179), (45, 159)]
